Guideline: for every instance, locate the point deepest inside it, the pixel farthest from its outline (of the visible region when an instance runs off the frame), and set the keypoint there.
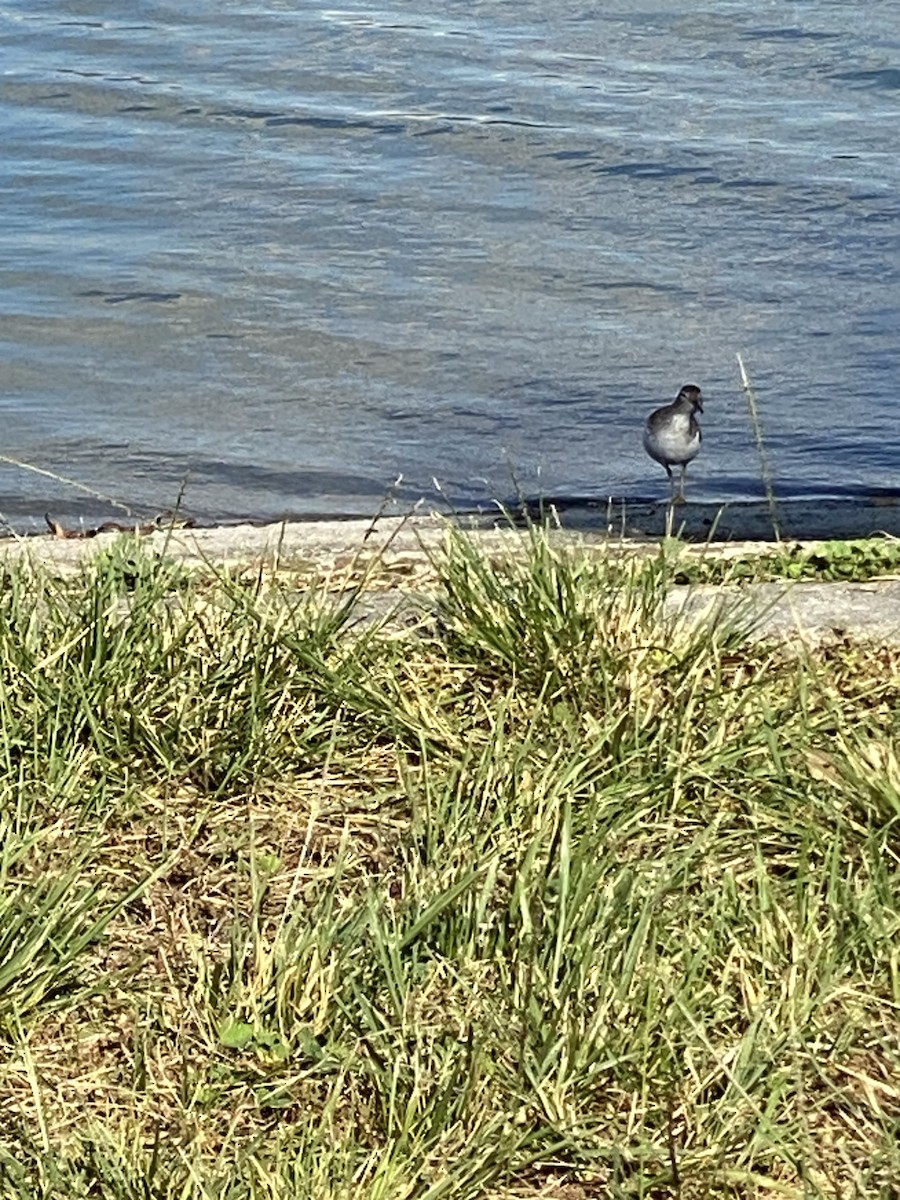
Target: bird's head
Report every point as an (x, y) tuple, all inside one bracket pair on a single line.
[(692, 395)]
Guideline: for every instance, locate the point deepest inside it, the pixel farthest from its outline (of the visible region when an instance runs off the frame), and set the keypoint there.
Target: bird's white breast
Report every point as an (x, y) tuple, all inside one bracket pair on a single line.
[(675, 442)]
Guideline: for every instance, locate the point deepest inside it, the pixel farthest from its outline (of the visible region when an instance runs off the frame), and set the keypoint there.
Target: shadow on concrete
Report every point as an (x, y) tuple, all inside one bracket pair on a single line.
[(799, 519)]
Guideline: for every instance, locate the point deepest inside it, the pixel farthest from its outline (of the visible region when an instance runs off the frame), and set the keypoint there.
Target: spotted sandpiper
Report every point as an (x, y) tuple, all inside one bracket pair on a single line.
[(672, 435)]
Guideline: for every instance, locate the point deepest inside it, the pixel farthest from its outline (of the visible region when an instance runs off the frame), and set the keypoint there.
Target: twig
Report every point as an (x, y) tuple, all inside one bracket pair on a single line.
[(760, 448), (82, 487)]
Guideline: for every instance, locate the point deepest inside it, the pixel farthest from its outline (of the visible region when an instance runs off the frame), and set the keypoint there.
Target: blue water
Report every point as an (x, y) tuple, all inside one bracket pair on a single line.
[(273, 256)]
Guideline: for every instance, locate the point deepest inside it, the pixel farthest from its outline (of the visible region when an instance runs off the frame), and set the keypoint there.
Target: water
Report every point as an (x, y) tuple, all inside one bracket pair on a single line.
[(276, 255)]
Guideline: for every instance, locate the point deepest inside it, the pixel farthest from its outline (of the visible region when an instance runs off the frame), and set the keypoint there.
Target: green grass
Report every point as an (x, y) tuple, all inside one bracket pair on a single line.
[(852, 561), (551, 894)]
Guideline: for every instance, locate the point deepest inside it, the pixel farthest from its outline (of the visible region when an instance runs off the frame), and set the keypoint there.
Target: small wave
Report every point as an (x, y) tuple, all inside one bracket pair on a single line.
[(885, 78)]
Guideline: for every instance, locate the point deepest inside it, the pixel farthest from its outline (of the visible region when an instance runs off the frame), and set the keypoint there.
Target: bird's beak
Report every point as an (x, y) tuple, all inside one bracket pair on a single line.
[(699, 404)]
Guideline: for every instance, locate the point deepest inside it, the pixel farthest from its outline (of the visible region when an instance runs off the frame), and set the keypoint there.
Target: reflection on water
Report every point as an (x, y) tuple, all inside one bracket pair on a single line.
[(280, 258)]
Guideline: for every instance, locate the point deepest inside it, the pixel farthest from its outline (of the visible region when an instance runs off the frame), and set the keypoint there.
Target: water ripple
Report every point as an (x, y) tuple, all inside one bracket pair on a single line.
[(288, 253)]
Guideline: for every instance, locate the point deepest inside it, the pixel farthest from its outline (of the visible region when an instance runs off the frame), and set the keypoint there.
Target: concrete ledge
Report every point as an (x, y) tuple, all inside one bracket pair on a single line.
[(805, 610)]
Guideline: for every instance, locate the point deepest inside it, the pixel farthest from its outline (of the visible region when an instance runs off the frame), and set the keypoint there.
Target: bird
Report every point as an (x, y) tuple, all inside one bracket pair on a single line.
[(672, 435)]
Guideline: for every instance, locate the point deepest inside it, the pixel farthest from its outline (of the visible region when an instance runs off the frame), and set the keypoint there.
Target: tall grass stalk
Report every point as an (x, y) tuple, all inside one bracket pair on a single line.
[(765, 467)]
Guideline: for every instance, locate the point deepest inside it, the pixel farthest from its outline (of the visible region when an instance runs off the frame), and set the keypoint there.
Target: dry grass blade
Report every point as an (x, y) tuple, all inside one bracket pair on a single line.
[(765, 468)]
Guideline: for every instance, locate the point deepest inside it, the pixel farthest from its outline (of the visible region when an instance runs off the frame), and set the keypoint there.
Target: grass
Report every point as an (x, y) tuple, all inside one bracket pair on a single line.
[(852, 561), (550, 894)]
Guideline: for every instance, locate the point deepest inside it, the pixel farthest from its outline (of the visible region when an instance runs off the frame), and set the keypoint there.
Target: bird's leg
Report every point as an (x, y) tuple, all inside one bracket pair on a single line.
[(679, 496), (677, 488), (671, 481)]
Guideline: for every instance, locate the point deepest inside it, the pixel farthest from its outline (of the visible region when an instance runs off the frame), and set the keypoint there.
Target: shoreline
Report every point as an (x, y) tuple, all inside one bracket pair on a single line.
[(629, 522), (391, 560)]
